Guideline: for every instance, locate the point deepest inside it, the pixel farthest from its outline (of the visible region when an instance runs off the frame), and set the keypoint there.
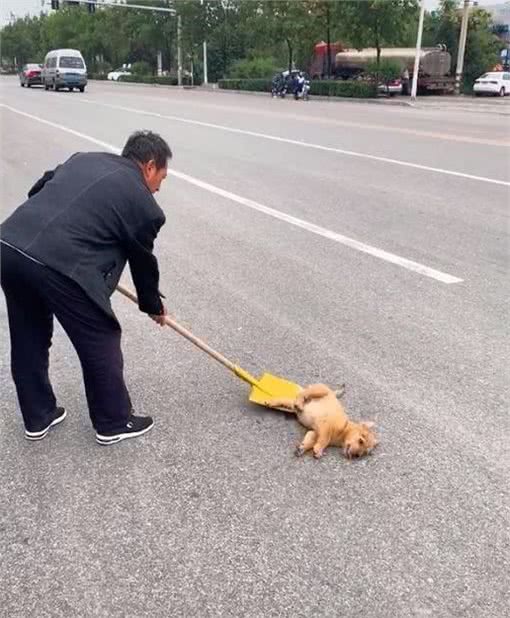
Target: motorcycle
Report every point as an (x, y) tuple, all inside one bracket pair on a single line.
[(302, 89)]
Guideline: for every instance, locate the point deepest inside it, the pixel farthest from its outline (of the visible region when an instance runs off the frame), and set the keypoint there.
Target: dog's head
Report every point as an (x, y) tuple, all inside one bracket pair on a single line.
[(360, 439)]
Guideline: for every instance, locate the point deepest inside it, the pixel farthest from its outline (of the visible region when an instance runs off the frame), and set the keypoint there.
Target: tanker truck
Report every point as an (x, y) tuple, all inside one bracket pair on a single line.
[(434, 68)]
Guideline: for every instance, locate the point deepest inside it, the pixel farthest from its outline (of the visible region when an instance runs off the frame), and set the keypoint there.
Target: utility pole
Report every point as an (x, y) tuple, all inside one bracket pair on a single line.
[(328, 35), (462, 47), (160, 63), (179, 51), (204, 45), (205, 63), (414, 88)]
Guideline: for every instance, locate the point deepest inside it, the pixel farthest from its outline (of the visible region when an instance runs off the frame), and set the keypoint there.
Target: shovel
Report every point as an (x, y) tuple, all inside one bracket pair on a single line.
[(266, 387)]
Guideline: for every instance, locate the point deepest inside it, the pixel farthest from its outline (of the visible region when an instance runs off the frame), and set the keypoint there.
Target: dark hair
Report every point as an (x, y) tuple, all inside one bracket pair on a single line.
[(142, 146)]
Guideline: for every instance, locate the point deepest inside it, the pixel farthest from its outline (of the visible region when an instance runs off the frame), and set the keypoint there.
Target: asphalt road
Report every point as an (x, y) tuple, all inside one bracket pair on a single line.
[(373, 252)]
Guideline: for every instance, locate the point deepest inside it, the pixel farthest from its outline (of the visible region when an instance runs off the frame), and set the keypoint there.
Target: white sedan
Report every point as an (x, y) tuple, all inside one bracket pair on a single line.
[(497, 83), (114, 75)]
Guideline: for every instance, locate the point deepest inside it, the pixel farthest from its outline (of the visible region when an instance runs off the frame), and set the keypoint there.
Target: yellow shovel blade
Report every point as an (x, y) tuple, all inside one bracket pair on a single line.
[(272, 387)]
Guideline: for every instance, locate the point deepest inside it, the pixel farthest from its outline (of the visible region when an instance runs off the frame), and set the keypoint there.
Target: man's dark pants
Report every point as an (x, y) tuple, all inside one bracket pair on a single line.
[(34, 294)]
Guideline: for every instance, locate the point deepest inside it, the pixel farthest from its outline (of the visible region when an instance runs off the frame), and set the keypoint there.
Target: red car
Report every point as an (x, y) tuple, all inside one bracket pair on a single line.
[(29, 75)]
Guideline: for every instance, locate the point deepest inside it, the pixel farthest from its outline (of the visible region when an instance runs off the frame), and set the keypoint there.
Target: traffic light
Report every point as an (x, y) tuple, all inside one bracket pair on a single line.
[(54, 4)]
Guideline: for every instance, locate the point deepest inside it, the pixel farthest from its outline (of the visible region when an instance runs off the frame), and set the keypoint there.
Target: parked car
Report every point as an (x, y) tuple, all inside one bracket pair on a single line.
[(392, 88), (496, 83), (30, 75), (64, 68), (123, 70)]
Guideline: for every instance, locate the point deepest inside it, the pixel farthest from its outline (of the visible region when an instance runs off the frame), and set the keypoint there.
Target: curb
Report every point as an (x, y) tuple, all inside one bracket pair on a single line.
[(316, 97), (257, 94), (139, 84), (445, 106)]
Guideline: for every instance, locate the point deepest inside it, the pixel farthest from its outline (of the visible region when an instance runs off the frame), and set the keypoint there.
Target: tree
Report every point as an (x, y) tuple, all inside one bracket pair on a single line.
[(322, 24), (21, 41), (482, 46), (288, 21), (379, 23)]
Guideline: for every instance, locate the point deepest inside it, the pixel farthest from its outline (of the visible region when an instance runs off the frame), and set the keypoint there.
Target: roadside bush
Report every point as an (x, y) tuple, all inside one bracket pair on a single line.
[(141, 68), (102, 68), (326, 88), (385, 72), (349, 88), (253, 85), (253, 68), (165, 80)]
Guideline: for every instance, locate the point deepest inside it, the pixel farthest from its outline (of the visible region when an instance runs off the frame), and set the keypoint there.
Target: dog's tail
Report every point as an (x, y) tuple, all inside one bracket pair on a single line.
[(340, 392)]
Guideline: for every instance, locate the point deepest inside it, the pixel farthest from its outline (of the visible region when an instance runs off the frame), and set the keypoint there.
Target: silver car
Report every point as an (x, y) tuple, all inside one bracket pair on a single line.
[(64, 68)]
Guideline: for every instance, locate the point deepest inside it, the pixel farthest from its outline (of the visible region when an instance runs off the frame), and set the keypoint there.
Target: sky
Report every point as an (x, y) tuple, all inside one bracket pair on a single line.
[(19, 8)]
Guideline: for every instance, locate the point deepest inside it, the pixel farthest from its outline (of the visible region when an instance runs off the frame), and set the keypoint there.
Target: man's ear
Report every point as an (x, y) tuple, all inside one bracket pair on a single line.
[(150, 166)]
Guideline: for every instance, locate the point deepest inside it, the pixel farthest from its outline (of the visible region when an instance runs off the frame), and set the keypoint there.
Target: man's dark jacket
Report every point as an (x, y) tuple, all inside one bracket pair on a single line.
[(87, 218)]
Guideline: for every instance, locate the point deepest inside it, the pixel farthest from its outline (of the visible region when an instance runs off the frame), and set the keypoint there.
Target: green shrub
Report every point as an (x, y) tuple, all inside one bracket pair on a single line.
[(254, 68), (253, 85), (139, 79), (327, 88), (102, 68), (349, 88), (164, 80), (385, 72), (141, 68)]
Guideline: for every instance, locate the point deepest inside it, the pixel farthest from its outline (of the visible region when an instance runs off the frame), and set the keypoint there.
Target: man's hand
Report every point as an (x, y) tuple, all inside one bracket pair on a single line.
[(160, 319)]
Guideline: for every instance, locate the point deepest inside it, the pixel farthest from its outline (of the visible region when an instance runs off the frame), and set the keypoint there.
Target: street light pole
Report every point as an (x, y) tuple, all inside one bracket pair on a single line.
[(204, 53), (179, 51), (328, 34), (414, 88), (462, 46), (205, 63)]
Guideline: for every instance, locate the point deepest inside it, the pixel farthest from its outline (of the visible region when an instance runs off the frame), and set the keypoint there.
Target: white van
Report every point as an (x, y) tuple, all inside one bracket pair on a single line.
[(64, 68)]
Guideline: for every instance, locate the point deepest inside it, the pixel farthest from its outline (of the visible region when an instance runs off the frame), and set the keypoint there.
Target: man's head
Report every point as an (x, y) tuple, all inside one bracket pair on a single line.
[(150, 151)]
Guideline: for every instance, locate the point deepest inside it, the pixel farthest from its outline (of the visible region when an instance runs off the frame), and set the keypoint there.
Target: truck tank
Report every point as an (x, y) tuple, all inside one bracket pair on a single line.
[(434, 61)]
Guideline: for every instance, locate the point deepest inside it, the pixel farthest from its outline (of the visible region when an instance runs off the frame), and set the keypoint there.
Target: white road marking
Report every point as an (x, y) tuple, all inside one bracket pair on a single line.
[(277, 214), (295, 142)]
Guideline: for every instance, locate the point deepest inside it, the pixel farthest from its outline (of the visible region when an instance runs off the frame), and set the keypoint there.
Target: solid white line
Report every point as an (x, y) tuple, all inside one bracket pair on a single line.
[(277, 214), (321, 231), (295, 142)]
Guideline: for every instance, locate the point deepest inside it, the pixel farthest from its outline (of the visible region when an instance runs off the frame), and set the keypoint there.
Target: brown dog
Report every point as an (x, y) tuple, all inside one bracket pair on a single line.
[(318, 409)]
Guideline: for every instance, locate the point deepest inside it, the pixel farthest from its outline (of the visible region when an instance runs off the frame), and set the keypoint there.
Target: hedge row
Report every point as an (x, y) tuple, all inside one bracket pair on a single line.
[(253, 84), (164, 80), (353, 89)]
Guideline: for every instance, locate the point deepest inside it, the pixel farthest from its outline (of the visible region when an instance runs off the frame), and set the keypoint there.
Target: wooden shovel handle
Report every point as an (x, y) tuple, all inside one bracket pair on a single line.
[(185, 333)]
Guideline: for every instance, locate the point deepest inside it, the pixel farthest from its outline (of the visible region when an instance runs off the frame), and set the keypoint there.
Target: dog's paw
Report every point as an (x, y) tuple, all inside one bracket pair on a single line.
[(300, 451), (318, 453)]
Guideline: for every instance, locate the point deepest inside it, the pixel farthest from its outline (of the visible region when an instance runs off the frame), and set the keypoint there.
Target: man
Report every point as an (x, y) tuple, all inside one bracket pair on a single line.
[(62, 254), (405, 81)]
